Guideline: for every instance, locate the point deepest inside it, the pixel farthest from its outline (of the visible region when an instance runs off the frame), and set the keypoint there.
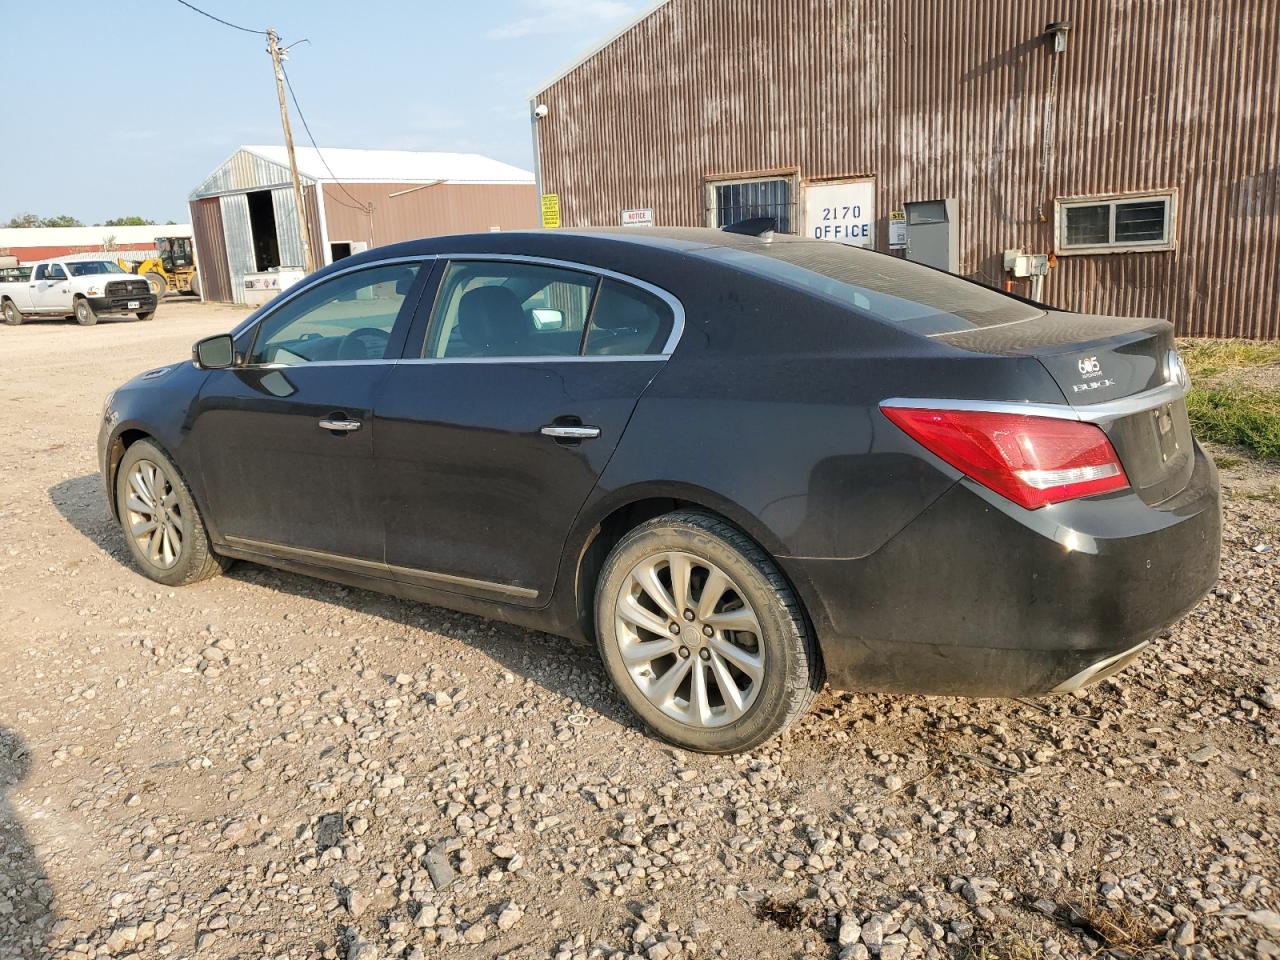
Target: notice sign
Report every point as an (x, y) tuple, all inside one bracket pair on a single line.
[(551, 210), (897, 230), (637, 218), (841, 210)]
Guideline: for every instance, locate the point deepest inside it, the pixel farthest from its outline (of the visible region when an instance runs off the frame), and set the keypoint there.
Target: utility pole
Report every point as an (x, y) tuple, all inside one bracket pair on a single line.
[(273, 48)]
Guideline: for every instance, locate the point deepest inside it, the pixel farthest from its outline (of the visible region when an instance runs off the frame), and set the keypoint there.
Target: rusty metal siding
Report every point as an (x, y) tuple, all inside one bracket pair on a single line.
[(211, 250), (239, 238), (957, 100), (434, 210)]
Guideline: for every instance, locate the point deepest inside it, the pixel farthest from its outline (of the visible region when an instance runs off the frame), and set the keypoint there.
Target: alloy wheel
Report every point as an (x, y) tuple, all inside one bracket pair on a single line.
[(689, 639), (154, 514)]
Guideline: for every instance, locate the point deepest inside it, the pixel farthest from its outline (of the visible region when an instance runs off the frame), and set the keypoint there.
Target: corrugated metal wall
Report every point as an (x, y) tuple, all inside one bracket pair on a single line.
[(955, 99), (288, 229), (239, 241), (211, 249), (436, 210)]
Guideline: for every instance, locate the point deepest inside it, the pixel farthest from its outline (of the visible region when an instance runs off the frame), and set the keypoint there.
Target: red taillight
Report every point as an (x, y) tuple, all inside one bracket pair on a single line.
[(1033, 461)]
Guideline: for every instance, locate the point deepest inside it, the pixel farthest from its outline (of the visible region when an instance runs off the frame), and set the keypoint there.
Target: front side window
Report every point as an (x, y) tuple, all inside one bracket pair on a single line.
[(1126, 224), (732, 201), (499, 309), (627, 321), (50, 271), (348, 317)]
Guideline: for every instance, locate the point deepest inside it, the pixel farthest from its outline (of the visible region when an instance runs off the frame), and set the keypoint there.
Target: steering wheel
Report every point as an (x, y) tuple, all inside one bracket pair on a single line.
[(366, 343)]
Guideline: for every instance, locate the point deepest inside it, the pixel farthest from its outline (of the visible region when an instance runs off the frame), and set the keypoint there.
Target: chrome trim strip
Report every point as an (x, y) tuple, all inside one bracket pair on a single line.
[(1092, 413), (576, 358), (340, 561)]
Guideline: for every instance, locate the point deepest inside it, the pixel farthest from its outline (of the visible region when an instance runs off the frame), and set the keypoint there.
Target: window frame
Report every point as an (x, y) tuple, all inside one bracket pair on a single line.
[(1110, 200), (790, 174), (415, 349)]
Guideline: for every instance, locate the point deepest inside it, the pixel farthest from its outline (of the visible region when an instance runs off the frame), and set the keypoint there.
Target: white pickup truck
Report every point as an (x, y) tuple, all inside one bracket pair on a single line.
[(84, 289)]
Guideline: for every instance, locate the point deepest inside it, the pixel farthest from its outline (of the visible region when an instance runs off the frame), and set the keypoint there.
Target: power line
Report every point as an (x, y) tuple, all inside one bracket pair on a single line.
[(363, 208), (225, 23)]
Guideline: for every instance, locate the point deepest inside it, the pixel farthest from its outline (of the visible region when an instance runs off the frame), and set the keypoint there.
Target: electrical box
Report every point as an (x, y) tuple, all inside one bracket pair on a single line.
[(1022, 265), (933, 233)]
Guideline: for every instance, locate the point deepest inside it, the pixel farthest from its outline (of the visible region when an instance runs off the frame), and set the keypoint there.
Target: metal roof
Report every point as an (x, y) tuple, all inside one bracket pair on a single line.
[(334, 165)]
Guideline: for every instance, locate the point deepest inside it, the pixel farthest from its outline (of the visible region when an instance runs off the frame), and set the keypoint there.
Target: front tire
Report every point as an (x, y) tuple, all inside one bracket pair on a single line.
[(84, 312), (157, 283), (146, 315), (702, 635), (161, 522), (12, 315)]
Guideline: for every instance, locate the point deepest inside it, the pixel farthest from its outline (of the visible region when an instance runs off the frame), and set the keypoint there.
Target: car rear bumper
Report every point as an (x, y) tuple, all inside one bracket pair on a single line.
[(977, 597)]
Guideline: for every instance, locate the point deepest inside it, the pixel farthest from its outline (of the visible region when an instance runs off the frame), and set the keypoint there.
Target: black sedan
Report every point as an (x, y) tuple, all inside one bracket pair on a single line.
[(739, 463)]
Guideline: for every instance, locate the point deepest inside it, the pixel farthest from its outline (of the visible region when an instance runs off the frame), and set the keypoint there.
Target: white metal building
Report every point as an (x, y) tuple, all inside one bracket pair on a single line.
[(245, 218)]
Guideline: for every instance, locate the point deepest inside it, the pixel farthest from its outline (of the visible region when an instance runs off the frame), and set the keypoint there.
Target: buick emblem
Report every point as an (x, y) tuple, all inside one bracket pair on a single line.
[(1089, 366)]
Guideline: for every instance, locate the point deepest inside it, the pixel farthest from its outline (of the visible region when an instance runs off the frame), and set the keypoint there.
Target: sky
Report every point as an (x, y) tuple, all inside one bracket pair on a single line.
[(137, 108)]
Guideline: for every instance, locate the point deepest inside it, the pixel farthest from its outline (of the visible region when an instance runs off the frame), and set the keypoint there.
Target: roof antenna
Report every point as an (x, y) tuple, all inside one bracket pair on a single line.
[(762, 227)]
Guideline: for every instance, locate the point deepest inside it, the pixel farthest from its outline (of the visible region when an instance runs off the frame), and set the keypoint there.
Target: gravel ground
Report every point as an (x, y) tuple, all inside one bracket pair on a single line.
[(270, 766)]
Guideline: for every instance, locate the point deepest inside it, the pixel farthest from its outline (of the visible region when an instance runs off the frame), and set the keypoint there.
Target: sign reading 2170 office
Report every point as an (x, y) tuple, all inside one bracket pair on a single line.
[(843, 211)]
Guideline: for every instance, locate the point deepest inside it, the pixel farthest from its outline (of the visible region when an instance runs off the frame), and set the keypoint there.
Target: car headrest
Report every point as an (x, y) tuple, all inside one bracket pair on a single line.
[(490, 317)]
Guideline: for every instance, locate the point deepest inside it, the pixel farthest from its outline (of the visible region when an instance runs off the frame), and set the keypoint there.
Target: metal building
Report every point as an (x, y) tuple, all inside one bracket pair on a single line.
[(246, 220), (1134, 146)]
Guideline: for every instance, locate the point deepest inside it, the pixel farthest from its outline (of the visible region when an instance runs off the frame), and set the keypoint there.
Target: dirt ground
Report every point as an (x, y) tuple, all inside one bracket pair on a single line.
[(265, 765)]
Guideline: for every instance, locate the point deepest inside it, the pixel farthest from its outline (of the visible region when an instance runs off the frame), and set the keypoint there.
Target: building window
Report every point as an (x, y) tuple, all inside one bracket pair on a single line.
[(731, 201), (1121, 223)]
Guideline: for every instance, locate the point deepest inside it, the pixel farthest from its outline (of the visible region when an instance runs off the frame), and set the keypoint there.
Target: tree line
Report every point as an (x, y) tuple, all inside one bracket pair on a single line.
[(63, 220)]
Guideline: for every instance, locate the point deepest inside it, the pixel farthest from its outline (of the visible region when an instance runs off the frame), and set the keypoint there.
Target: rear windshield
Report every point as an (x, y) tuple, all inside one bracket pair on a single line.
[(891, 290)]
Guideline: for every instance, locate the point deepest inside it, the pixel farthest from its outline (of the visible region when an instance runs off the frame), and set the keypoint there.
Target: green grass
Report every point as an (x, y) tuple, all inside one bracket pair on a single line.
[(1209, 358), (1230, 402)]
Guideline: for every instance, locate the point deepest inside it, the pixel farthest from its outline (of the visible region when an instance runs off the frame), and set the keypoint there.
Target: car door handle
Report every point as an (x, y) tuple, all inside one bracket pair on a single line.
[(561, 432), (340, 426)]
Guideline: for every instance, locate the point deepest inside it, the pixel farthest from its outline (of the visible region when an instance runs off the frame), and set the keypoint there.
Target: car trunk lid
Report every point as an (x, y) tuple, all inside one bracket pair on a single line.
[(1116, 372)]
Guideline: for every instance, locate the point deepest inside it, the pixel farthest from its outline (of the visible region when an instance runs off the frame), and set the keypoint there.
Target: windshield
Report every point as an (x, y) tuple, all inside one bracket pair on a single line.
[(88, 268), (916, 298)]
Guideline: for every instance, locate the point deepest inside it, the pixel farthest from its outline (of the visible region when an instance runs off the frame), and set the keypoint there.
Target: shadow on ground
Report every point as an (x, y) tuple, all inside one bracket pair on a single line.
[(570, 670), (26, 898)]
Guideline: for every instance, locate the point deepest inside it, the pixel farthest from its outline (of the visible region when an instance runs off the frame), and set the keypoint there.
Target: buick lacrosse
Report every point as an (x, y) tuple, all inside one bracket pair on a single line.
[(740, 463)]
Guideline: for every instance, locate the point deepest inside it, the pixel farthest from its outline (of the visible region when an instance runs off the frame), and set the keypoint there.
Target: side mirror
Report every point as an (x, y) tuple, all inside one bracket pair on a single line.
[(214, 353), (546, 318)]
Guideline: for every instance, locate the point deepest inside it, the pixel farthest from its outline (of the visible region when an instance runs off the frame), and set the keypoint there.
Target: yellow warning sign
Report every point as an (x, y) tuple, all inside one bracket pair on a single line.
[(551, 210)]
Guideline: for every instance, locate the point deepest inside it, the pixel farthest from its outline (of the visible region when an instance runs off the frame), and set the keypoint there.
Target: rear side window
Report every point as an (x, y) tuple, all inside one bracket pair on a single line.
[(504, 309), (891, 290), (627, 321)]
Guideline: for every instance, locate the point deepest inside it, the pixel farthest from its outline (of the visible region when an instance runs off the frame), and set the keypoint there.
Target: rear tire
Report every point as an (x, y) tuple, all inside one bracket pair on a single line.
[(158, 285), (84, 312), (160, 520), (12, 315), (742, 665)]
